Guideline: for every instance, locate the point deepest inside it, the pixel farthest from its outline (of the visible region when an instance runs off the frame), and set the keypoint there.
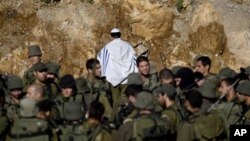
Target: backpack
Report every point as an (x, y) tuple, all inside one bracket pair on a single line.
[(150, 128)]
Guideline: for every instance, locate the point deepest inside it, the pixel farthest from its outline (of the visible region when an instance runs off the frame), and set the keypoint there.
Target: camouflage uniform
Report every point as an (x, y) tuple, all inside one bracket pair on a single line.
[(151, 82)]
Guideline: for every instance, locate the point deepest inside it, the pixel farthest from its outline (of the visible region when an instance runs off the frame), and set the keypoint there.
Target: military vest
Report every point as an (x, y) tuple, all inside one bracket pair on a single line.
[(29, 129), (151, 82)]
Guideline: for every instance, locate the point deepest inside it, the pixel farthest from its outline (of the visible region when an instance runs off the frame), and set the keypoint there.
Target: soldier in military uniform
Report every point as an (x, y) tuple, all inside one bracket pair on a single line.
[(98, 86), (198, 126), (4, 124), (243, 93), (150, 81), (53, 73), (94, 128), (68, 94), (146, 125), (171, 112), (28, 127), (40, 73), (203, 65), (34, 54), (15, 86), (229, 109), (226, 73), (166, 77)]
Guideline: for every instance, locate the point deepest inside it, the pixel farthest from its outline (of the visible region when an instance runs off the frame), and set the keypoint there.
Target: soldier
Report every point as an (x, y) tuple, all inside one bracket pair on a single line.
[(203, 66), (229, 108), (35, 92), (34, 54), (147, 125), (15, 86), (198, 126), (171, 112), (68, 94), (243, 93), (150, 81), (40, 74), (29, 127), (53, 72), (99, 88), (166, 77), (208, 92), (73, 118), (199, 78), (94, 128)]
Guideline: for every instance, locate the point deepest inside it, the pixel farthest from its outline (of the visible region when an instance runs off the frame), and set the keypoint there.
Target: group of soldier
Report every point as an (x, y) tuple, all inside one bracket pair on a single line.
[(180, 103)]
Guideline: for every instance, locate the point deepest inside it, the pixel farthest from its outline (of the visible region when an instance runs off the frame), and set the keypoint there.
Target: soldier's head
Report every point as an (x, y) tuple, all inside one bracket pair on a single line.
[(131, 91), (226, 87), (226, 73), (96, 111), (53, 70), (193, 101), (143, 65), (208, 91), (166, 95), (40, 72), (34, 54), (145, 102), (203, 65), (115, 33), (94, 68), (134, 79), (15, 86), (243, 92), (35, 92), (185, 78), (67, 85), (28, 108), (166, 76)]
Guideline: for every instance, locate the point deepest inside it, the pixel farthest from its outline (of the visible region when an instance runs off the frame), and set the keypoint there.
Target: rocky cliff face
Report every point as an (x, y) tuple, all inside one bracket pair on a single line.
[(71, 31)]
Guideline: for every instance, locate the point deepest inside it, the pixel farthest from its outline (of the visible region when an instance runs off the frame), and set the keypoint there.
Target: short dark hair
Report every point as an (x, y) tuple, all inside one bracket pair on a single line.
[(205, 60), (194, 97), (229, 81), (91, 63), (165, 74), (133, 89), (96, 110), (116, 35), (141, 59)]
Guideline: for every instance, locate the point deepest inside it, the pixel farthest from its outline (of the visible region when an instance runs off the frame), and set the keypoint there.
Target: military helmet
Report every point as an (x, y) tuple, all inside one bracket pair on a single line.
[(81, 85), (134, 78), (244, 88), (39, 67), (175, 69), (144, 100), (67, 81), (226, 73), (208, 90), (34, 50), (14, 82), (53, 68), (73, 111), (169, 90), (28, 107)]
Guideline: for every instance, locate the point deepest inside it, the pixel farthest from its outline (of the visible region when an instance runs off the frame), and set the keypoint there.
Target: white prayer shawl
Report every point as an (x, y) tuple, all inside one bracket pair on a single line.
[(117, 61)]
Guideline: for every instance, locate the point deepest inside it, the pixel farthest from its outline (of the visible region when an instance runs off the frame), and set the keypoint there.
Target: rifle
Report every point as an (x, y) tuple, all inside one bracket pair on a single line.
[(163, 59)]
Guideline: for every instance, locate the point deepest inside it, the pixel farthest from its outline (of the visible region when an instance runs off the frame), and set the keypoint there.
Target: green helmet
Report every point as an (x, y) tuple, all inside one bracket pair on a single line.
[(175, 69), (134, 78), (73, 111), (28, 108), (226, 73), (34, 50), (53, 68), (144, 100), (14, 82), (169, 90), (244, 88), (40, 67), (81, 85), (208, 90)]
